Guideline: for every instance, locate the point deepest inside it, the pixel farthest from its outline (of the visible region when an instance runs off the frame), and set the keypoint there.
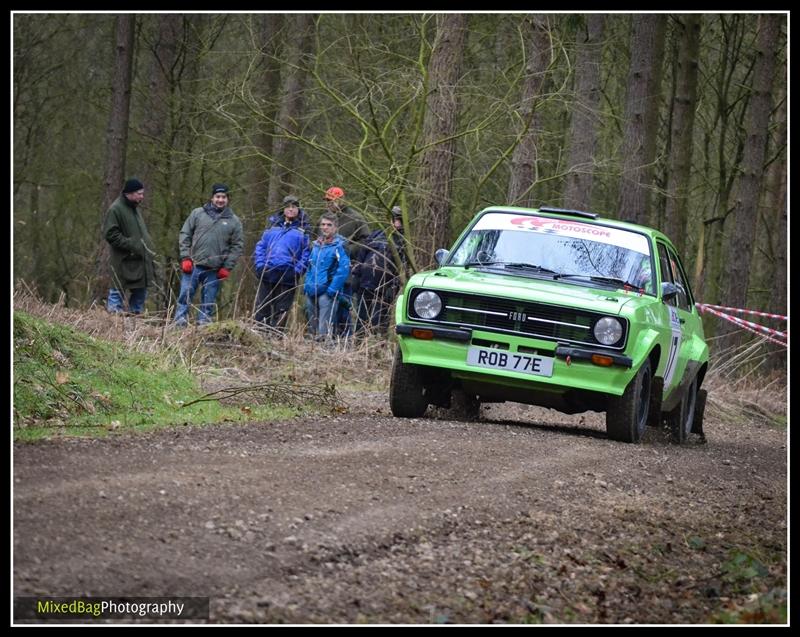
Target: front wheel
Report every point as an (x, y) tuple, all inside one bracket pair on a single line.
[(407, 394), (626, 415)]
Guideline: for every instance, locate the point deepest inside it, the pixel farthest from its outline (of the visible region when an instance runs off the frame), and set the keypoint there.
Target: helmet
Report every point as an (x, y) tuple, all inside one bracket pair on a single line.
[(334, 192), (397, 212)]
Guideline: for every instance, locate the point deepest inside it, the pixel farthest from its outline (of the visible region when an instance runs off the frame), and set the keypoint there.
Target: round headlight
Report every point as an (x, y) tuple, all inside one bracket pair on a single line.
[(427, 304), (608, 330)]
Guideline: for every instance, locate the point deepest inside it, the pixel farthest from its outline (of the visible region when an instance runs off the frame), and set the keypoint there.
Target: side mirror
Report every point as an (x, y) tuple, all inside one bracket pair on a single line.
[(441, 255), (668, 291)]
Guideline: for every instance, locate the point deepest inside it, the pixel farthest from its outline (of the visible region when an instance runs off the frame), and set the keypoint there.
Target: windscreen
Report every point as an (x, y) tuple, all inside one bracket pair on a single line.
[(570, 249)]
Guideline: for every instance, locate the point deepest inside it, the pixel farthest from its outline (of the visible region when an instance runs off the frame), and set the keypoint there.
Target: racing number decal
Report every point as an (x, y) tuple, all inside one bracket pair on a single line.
[(674, 346)]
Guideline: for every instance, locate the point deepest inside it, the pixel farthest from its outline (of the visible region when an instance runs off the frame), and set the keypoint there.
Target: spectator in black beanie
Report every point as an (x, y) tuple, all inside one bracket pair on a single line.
[(131, 250)]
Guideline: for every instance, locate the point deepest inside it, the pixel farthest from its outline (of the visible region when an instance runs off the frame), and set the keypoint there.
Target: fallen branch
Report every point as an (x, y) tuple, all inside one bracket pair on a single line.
[(286, 393)]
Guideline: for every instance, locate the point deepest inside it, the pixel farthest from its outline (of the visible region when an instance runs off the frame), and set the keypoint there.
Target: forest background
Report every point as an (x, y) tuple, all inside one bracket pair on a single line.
[(677, 121)]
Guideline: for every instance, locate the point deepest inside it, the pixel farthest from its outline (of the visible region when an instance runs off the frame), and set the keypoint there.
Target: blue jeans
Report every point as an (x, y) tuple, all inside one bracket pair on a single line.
[(319, 311), (116, 300), (209, 286)]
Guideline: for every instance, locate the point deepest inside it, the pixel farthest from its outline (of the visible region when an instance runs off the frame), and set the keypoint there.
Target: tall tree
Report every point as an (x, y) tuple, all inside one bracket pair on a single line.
[(269, 28), (523, 160), (297, 45), (745, 213), (776, 211), (723, 103), (641, 115), (682, 131), (117, 138), (432, 209), (585, 115)]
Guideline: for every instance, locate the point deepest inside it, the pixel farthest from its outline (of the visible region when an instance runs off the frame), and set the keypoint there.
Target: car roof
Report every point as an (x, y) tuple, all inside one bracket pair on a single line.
[(578, 215)]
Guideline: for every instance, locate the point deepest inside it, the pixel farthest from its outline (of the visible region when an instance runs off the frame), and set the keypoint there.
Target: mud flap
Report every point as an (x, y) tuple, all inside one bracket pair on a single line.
[(654, 417), (699, 411)]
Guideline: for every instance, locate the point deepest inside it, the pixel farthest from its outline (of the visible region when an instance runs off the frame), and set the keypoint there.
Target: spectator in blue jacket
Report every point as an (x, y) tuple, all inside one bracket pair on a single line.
[(328, 269), (280, 259)]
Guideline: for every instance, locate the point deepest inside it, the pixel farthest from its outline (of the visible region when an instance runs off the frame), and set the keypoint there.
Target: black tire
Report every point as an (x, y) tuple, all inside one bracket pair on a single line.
[(626, 415), (407, 395), (682, 420)]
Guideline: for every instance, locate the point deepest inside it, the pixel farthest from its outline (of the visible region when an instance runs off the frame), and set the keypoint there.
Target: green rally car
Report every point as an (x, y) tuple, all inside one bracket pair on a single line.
[(557, 308)]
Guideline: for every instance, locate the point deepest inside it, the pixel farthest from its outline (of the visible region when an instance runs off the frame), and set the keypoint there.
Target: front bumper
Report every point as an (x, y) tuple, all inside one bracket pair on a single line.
[(446, 348)]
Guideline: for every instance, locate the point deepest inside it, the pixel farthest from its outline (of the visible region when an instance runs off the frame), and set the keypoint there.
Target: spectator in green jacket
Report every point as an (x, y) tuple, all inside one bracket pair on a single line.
[(210, 244), (131, 250)]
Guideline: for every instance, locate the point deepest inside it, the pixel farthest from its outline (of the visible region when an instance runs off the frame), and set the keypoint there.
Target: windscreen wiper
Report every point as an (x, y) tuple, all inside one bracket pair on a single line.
[(521, 265), (469, 264), (600, 279)]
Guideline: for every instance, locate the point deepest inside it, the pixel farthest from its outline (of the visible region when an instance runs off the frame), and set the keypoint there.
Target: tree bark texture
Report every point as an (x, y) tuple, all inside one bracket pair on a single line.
[(298, 45), (436, 171), (641, 116), (117, 139), (777, 214), (523, 160), (585, 115), (682, 133), (745, 214), (258, 191)]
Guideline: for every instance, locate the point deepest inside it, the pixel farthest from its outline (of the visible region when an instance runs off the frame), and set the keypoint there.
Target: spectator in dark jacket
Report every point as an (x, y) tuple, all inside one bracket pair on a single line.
[(131, 250), (280, 259), (352, 226), (377, 274)]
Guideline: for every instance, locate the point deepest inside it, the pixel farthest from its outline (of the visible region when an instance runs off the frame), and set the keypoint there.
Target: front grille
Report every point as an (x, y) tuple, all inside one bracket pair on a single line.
[(524, 318)]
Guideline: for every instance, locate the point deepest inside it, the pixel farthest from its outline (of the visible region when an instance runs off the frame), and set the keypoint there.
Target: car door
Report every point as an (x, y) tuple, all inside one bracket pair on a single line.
[(681, 318)]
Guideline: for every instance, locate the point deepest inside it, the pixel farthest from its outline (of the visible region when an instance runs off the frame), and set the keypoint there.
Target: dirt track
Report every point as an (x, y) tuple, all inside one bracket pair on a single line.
[(527, 516)]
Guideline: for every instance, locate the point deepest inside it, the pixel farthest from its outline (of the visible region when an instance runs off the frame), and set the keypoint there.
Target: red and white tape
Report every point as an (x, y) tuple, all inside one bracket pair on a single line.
[(737, 310), (766, 332)]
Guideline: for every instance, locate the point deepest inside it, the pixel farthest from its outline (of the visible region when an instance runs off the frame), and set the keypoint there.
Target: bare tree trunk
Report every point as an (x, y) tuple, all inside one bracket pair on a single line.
[(523, 161), (270, 26), (641, 116), (436, 173), (585, 115), (155, 173), (720, 167), (159, 97), (682, 133), (298, 44), (745, 213), (778, 213), (117, 137)]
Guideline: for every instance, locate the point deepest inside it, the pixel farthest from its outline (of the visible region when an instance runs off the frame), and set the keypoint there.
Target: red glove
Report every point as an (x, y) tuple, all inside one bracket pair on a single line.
[(187, 266), (223, 273)]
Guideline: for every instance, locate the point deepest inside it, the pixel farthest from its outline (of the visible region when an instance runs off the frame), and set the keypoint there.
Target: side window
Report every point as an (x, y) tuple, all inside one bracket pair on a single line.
[(685, 295), (666, 269)]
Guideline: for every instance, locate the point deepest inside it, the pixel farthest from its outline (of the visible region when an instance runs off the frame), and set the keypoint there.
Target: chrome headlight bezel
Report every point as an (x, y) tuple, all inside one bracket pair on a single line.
[(608, 330), (428, 305)]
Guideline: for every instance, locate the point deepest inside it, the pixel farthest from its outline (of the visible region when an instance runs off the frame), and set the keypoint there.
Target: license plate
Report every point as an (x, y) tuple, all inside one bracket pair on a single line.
[(514, 362)]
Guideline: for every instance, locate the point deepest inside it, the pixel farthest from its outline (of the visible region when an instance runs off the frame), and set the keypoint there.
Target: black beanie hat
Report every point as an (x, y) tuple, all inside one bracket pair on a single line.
[(218, 188), (132, 185)]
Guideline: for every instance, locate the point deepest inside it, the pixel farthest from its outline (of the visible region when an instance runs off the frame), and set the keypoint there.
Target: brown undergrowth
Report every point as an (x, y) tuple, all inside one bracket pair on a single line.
[(235, 353)]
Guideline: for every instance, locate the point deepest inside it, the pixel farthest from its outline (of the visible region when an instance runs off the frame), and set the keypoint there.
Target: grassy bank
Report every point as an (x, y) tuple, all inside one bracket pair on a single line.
[(69, 383)]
